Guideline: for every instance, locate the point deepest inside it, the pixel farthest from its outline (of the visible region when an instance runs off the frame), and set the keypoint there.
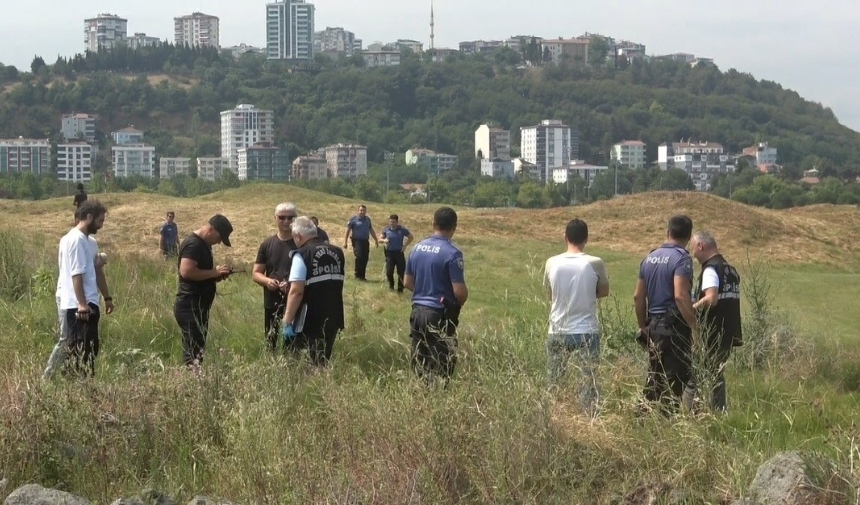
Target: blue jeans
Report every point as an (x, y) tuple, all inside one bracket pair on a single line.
[(580, 350)]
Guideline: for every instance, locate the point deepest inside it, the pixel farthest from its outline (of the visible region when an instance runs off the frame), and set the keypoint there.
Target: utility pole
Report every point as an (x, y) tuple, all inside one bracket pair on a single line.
[(389, 159), (616, 178)]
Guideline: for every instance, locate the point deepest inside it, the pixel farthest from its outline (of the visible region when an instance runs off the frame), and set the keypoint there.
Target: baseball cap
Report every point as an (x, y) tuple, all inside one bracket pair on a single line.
[(223, 227)]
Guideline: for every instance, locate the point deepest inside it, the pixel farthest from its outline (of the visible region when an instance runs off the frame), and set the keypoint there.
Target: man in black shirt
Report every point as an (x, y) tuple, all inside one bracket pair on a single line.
[(80, 196), (321, 234), (272, 269), (197, 277)]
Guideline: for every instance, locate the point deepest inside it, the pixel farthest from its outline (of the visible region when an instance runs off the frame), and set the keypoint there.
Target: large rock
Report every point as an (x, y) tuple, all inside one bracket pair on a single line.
[(798, 478), (205, 500), (34, 494)]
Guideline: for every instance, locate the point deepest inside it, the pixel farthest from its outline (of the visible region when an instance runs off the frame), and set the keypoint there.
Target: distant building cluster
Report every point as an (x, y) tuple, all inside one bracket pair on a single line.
[(106, 31)]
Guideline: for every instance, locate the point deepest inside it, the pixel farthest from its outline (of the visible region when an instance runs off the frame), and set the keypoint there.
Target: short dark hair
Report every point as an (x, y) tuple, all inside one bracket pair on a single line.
[(576, 231), (394, 217), (445, 219), (90, 208), (80, 186), (680, 227), (171, 213), (362, 206)]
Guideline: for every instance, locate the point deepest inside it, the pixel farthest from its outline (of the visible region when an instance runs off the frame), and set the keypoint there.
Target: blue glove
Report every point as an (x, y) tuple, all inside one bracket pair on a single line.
[(288, 332)]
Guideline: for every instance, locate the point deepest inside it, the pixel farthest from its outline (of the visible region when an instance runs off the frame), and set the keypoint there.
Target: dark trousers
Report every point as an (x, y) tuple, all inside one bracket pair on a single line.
[(168, 250), (717, 352), (395, 259), (82, 342), (669, 368), (434, 342), (272, 322), (361, 249), (192, 315), (319, 343)]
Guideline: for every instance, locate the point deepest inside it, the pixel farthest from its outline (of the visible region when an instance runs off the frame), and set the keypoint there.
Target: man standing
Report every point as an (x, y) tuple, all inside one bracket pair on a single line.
[(665, 314), (321, 234), (80, 196), (197, 277), (314, 311), (434, 274), (575, 281), (396, 239), (78, 286), (272, 269), (168, 237), (719, 309), (361, 229)]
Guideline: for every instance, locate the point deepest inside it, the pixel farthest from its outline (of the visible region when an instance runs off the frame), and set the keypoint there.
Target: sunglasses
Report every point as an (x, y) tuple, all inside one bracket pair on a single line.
[(288, 218)]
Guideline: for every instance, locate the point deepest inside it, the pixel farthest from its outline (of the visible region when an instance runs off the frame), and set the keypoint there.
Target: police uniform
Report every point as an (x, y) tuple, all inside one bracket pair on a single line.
[(434, 264), (670, 339), (722, 322), (394, 257), (321, 266), (360, 227)]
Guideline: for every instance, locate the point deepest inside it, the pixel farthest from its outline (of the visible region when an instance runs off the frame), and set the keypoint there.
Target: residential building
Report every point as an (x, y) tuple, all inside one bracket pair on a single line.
[(547, 145), (290, 30), (75, 161), (497, 167), (525, 168), (761, 153), (492, 142), (574, 51), (79, 126), (335, 41), (310, 166), (357, 46), (629, 154), (416, 191), (517, 40), (436, 163), (102, 31), (263, 161), (441, 53), (413, 45), (140, 39), (171, 167), (128, 135), (133, 159), (346, 160), (480, 46), (703, 161), (19, 156), (682, 57), (243, 48), (197, 30), (579, 168), (210, 168), (243, 127), (381, 58)]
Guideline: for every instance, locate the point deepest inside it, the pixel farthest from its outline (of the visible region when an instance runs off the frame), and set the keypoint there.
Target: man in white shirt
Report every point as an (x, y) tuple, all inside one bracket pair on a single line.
[(575, 281)]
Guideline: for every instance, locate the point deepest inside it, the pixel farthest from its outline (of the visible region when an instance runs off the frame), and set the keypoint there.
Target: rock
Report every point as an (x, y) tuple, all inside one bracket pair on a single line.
[(128, 501), (798, 478), (653, 493), (34, 494), (153, 497), (205, 500)]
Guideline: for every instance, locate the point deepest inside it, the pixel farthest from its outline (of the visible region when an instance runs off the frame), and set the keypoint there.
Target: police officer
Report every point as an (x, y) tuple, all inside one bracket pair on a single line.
[(314, 311), (719, 311), (361, 229), (271, 270), (665, 314), (434, 274), (396, 239)]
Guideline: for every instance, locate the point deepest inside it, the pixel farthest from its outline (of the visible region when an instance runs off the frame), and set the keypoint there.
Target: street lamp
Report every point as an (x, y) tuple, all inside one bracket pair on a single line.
[(389, 159)]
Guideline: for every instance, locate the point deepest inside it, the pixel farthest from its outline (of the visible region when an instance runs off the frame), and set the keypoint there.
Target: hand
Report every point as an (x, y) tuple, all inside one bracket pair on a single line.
[(403, 249), (273, 285), (108, 306), (642, 337), (83, 312), (376, 242), (284, 286), (288, 332)]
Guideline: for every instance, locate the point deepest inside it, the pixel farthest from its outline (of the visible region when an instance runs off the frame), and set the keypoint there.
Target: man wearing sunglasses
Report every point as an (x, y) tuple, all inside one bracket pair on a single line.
[(272, 269)]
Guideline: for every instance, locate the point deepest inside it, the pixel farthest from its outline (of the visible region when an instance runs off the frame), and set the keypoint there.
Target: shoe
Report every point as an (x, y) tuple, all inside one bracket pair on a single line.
[(391, 288)]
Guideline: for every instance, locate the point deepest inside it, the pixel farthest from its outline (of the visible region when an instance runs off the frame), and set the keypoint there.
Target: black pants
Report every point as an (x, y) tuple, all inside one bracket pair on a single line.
[(192, 315), (434, 344), (361, 249), (395, 259), (272, 323), (83, 342), (718, 349), (168, 250), (669, 368), (319, 343)]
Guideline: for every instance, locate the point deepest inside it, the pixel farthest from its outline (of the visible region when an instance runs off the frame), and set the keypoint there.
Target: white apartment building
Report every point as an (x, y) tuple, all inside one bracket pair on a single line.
[(381, 58), (497, 168), (133, 159), (346, 160), (140, 39), (310, 166), (579, 168), (763, 153), (102, 31), (243, 127), (290, 30), (197, 30), (436, 163), (128, 135), (171, 167), (629, 154), (78, 126), (19, 156), (335, 41), (210, 168), (701, 160), (546, 145), (525, 168), (492, 142), (413, 45), (75, 161), (573, 51)]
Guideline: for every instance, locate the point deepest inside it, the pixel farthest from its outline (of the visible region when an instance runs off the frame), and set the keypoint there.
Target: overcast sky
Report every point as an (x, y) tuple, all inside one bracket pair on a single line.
[(804, 45)]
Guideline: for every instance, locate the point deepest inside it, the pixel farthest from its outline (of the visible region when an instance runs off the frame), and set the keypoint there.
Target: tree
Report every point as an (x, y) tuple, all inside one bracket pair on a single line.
[(37, 65), (597, 49)]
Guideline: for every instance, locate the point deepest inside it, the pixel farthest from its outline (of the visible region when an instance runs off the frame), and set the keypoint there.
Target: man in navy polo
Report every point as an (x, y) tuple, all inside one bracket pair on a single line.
[(434, 274), (396, 239), (664, 311), (361, 229)]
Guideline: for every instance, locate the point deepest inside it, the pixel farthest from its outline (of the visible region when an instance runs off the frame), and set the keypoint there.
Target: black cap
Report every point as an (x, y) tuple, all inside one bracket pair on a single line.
[(223, 227)]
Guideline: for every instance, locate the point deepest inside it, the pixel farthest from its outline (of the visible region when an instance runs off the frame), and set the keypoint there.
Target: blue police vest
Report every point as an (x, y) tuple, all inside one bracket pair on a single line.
[(658, 270), (434, 264)]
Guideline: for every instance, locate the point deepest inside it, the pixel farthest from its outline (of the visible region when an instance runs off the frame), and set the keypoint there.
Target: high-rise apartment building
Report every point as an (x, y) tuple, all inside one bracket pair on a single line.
[(243, 127), (75, 161), (335, 41), (133, 159), (629, 154), (263, 161), (19, 156), (197, 29), (140, 39), (547, 145), (290, 30), (102, 31), (79, 126), (346, 160), (211, 168), (492, 143), (171, 167)]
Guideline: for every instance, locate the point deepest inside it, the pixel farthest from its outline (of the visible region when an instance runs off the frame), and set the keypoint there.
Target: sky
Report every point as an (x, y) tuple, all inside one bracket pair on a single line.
[(803, 45)]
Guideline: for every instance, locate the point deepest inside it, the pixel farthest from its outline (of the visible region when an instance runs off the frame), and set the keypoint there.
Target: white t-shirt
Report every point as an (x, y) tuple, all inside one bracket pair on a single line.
[(77, 254), (710, 279), (573, 279)]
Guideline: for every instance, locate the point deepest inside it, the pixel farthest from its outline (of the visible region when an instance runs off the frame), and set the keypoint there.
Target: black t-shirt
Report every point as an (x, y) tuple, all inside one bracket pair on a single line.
[(194, 248), (80, 198), (275, 254)]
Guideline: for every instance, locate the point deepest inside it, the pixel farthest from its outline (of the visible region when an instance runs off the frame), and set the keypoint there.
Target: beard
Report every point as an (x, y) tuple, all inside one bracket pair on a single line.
[(92, 228)]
